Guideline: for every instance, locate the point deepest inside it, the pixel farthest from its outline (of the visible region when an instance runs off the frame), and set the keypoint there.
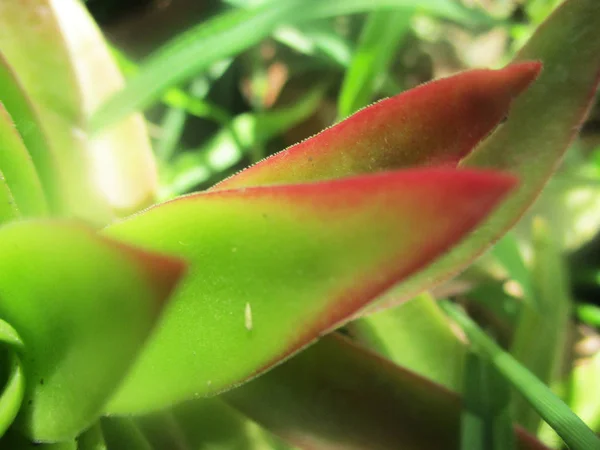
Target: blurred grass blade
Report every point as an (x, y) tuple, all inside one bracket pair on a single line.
[(380, 36), (447, 9), (553, 410), (508, 254), (589, 314), (584, 395), (316, 39), (440, 354), (19, 172), (336, 394), (193, 52), (230, 144), (540, 339), (171, 129), (193, 103), (486, 422)]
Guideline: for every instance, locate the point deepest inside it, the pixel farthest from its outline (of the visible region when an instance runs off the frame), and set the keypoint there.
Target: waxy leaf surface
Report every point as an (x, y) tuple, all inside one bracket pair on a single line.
[(272, 268), (82, 305), (337, 395), (66, 70), (435, 124), (18, 169), (8, 207), (26, 120)]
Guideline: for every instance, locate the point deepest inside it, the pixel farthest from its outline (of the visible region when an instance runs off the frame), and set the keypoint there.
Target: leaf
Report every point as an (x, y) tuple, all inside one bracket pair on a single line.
[(8, 206), (18, 170), (540, 127), (470, 17), (121, 433), (15, 441), (66, 70), (435, 124), (509, 255), (439, 8), (92, 439), (272, 268), (83, 305), (14, 385), (541, 338), (27, 122), (553, 410), (439, 355), (338, 395), (486, 422), (381, 34), (584, 397)]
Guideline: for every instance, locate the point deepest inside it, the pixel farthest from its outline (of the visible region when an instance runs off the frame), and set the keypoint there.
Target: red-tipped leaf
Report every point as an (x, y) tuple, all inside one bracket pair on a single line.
[(437, 123), (272, 268)]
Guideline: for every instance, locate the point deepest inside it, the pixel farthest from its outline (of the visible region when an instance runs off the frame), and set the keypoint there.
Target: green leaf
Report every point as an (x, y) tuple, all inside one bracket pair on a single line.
[(336, 394), (18, 169), (27, 122), (272, 268), (14, 387), (92, 439), (66, 70), (122, 433), (584, 395), (541, 337), (589, 314), (552, 409), (486, 422), (15, 441), (83, 305), (439, 8), (380, 36), (8, 206), (508, 254), (439, 355)]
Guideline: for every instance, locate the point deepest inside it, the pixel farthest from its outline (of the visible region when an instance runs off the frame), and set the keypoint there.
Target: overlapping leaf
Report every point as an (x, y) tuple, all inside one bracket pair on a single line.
[(272, 268), (337, 395), (539, 129), (540, 126), (66, 70), (434, 124), (27, 123), (82, 306), (18, 170)]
